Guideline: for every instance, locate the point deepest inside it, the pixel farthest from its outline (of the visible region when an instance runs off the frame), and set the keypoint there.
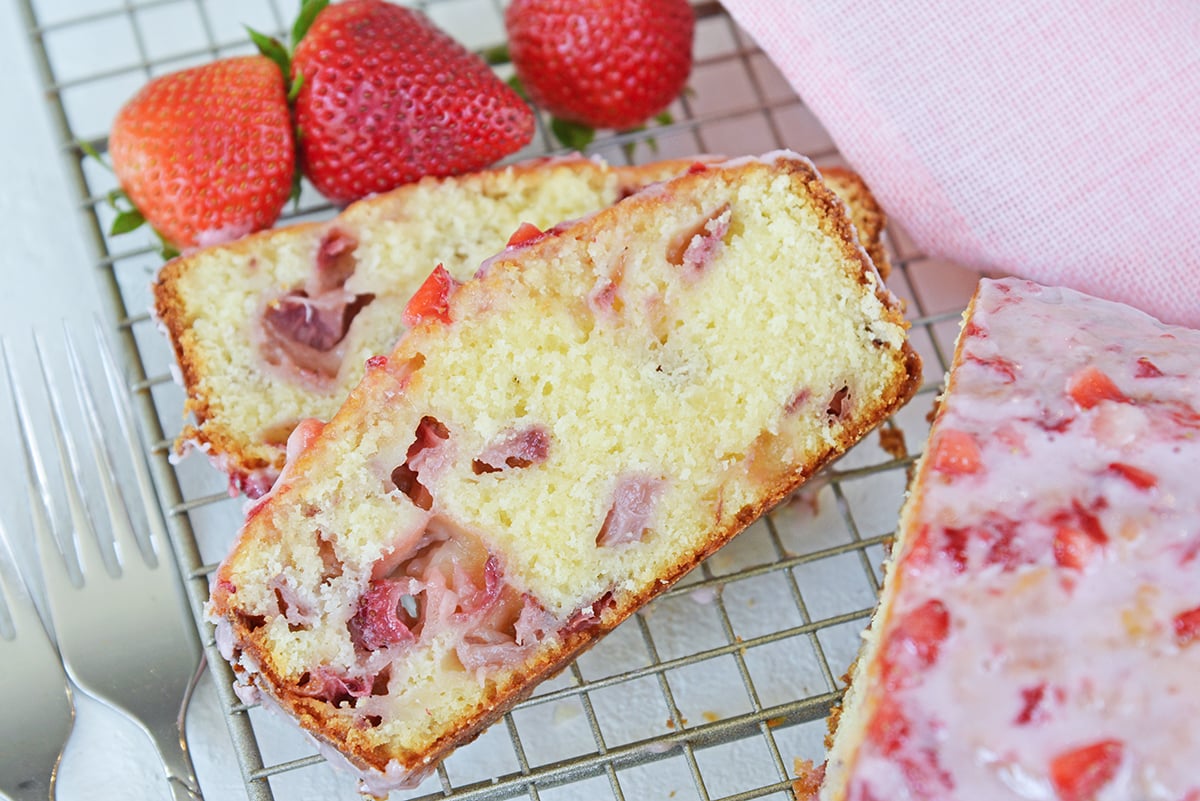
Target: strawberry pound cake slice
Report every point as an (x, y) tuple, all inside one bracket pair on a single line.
[(1039, 631), (550, 445)]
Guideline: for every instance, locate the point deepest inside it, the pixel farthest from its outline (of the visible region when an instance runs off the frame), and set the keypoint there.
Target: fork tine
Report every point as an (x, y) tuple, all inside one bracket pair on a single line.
[(125, 539), (49, 546), (21, 614), (86, 541), (118, 390)]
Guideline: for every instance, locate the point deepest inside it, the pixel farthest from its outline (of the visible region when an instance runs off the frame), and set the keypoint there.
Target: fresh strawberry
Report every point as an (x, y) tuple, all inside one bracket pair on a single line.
[(956, 452), (384, 98), (602, 63), (431, 301), (1080, 774), (1090, 386), (206, 155)]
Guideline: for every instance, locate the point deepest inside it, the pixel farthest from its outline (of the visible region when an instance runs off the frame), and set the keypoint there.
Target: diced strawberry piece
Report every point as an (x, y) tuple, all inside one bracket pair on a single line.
[(697, 166), (915, 642), (1187, 626), (955, 548), (332, 686), (1032, 710), (1147, 369), (1090, 386), (1073, 548), (432, 300), (527, 232), (1142, 479), (956, 452), (889, 728), (376, 361), (1080, 774), (517, 448), (377, 621), (1003, 548)]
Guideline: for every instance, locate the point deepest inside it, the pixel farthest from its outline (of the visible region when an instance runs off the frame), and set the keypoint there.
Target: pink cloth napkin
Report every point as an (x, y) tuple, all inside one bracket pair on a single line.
[(1056, 141)]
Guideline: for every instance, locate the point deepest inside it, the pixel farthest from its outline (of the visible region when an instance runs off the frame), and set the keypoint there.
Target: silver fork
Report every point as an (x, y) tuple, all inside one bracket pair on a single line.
[(36, 698), (122, 624)]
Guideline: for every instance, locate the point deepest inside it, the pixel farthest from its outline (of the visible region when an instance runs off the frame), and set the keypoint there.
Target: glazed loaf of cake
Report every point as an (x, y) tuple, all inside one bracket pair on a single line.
[(1039, 631), (276, 328), (549, 446)]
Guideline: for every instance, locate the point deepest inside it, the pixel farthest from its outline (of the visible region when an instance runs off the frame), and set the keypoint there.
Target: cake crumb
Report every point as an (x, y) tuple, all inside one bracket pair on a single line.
[(891, 440), (808, 779)]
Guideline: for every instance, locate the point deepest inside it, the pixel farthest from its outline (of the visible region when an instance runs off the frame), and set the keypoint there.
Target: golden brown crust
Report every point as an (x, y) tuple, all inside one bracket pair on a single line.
[(869, 218)]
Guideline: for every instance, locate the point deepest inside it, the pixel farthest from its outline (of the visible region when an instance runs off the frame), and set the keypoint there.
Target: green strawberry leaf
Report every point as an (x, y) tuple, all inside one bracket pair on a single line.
[(572, 134), (517, 86), (294, 91), (90, 152), (126, 221), (273, 49), (309, 9), (294, 196), (497, 55), (664, 118), (166, 249)]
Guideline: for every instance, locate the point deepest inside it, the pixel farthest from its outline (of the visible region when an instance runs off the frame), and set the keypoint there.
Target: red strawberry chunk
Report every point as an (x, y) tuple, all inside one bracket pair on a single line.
[(1090, 386), (1187, 626), (956, 453), (1073, 548), (1080, 774), (1147, 369), (1142, 479), (889, 729), (381, 619), (1032, 710), (432, 300), (527, 232), (915, 642), (517, 448)]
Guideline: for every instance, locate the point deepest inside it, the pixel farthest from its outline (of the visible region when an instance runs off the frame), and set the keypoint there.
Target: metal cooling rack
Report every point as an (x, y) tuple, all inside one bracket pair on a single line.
[(714, 688)]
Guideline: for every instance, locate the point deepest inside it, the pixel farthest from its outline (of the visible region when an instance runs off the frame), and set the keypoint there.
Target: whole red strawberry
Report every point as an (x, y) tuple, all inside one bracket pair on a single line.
[(207, 155), (603, 63), (386, 98)]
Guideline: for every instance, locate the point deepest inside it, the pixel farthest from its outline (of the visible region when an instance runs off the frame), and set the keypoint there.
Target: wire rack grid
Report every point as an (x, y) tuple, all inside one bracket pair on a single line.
[(715, 687)]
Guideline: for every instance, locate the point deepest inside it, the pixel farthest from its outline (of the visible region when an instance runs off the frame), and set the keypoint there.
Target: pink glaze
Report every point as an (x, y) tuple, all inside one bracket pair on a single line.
[(1040, 644)]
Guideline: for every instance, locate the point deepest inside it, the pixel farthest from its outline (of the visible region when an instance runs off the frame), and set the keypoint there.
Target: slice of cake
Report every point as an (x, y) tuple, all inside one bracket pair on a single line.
[(276, 328), (1039, 631), (554, 443)]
